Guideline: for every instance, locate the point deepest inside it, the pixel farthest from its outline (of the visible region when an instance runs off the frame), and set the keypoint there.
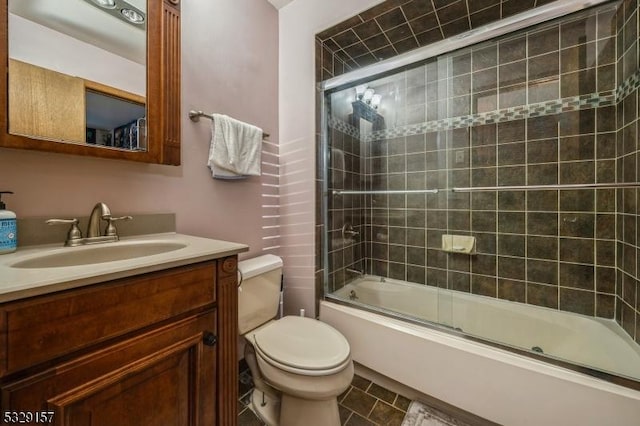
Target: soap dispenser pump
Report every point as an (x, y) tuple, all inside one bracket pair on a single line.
[(8, 228)]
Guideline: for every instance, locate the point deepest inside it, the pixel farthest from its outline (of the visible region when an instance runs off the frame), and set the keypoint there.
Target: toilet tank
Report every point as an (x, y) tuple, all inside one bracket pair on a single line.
[(259, 291)]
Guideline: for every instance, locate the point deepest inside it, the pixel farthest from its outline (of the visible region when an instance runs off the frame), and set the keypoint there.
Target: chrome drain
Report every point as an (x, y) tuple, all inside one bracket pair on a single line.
[(537, 349)]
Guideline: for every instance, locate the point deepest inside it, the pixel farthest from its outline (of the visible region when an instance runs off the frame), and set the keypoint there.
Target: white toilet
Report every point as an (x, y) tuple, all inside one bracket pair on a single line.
[(299, 365)]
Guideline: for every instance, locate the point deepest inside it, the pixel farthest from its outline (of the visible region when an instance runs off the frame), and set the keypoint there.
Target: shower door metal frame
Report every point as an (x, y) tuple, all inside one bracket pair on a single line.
[(324, 175), (411, 59)]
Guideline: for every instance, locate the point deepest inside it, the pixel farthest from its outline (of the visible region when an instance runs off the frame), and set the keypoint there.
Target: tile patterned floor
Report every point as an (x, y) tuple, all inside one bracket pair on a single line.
[(364, 404)]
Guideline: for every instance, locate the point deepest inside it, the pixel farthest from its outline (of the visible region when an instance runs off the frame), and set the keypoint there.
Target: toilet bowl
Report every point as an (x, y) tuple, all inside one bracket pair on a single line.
[(299, 365)]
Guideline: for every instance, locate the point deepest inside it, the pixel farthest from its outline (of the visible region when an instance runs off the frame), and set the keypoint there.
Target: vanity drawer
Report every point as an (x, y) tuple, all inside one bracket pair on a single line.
[(47, 327)]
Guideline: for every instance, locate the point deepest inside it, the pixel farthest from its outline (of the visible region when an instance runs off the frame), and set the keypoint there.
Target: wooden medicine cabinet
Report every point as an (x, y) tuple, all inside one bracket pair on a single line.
[(53, 104)]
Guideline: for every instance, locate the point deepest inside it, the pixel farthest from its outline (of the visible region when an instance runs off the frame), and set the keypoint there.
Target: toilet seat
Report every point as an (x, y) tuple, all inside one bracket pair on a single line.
[(302, 346)]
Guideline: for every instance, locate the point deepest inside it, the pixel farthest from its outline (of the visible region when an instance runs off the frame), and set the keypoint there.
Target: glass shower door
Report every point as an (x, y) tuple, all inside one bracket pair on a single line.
[(493, 190)]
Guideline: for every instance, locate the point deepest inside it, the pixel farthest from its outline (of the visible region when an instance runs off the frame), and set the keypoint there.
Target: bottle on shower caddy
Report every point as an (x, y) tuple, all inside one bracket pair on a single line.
[(8, 228)]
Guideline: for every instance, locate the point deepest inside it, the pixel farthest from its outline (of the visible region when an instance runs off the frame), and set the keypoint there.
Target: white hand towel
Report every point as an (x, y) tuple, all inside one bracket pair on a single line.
[(218, 173), (235, 147)]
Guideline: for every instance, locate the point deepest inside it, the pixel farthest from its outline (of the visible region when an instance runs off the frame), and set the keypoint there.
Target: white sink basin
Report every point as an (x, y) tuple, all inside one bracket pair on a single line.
[(88, 255)]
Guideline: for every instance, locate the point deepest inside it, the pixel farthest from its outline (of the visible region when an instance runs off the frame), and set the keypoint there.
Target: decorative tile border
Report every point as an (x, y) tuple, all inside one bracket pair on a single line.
[(343, 127), (629, 85), (573, 103)]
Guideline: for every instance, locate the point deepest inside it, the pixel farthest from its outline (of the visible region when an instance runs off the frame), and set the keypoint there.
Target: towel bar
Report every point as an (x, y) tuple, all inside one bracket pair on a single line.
[(195, 117)]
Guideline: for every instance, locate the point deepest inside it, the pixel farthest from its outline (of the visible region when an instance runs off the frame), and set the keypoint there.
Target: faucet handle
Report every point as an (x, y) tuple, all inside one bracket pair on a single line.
[(111, 229), (347, 229), (74, 232)]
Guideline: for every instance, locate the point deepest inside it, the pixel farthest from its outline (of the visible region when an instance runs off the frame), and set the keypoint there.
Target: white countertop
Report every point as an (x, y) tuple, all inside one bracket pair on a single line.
[(19, 283)]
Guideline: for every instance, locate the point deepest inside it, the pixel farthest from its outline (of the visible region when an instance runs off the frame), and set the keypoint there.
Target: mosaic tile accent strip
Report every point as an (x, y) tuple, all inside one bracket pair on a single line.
[(573, 103), (529, 111), (343, 127), (629, 86)]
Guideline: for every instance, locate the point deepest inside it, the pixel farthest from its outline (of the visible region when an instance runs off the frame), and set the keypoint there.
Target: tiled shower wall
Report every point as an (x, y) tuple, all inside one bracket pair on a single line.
[(533, 247), (347, 255), (550, 248), (628, 232), (397, 26)]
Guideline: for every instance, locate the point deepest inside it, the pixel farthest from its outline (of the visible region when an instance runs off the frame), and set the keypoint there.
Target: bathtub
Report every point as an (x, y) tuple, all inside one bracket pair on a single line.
[(499, 385)]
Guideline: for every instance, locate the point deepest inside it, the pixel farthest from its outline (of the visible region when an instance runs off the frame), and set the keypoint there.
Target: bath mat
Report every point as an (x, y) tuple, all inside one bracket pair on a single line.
[(419, 414)]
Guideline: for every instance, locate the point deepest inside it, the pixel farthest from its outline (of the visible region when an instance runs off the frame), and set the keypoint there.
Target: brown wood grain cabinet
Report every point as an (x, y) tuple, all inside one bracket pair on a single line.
[(157, 349), (46, 104)]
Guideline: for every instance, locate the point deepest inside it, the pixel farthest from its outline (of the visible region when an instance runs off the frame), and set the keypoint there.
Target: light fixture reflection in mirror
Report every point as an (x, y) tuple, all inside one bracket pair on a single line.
[(122, 10), (132, 16), (107, 4)]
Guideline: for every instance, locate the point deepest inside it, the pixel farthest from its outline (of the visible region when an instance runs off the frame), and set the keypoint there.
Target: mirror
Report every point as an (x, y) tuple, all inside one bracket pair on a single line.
[(52, 90), (93, 77)]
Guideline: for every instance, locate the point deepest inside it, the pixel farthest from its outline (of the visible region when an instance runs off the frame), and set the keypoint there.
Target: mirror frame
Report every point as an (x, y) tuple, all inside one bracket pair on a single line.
[(162, 96)]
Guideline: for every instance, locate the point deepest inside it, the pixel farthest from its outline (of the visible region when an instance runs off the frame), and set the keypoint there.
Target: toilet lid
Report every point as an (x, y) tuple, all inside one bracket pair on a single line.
[(302, 343)]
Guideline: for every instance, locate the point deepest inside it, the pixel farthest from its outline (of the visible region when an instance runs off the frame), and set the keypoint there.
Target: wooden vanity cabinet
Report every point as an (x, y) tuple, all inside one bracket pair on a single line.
[(154, 349)]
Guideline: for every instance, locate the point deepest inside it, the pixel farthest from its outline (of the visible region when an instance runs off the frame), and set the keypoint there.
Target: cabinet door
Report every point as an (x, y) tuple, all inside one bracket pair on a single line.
[(163, 377), (46, 104)]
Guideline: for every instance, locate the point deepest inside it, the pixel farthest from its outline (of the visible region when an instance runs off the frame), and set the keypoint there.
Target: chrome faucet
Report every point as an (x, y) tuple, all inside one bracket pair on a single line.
[(94, 236)]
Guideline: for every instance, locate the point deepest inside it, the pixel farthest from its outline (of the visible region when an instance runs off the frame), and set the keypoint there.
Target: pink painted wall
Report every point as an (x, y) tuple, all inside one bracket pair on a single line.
[(229, 65), (299, 22)]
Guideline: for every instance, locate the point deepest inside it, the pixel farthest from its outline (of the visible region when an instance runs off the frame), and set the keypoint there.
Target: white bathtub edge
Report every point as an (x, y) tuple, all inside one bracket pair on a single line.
[(494, 353), (492, 383)]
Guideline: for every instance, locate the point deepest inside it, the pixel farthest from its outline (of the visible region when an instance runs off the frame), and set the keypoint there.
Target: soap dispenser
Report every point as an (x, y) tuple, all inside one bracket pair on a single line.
[(8, 228)]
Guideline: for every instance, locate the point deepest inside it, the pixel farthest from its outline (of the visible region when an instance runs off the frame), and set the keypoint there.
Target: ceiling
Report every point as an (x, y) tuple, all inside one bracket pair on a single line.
[(393, 27), (279, 4), (83, 21)]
